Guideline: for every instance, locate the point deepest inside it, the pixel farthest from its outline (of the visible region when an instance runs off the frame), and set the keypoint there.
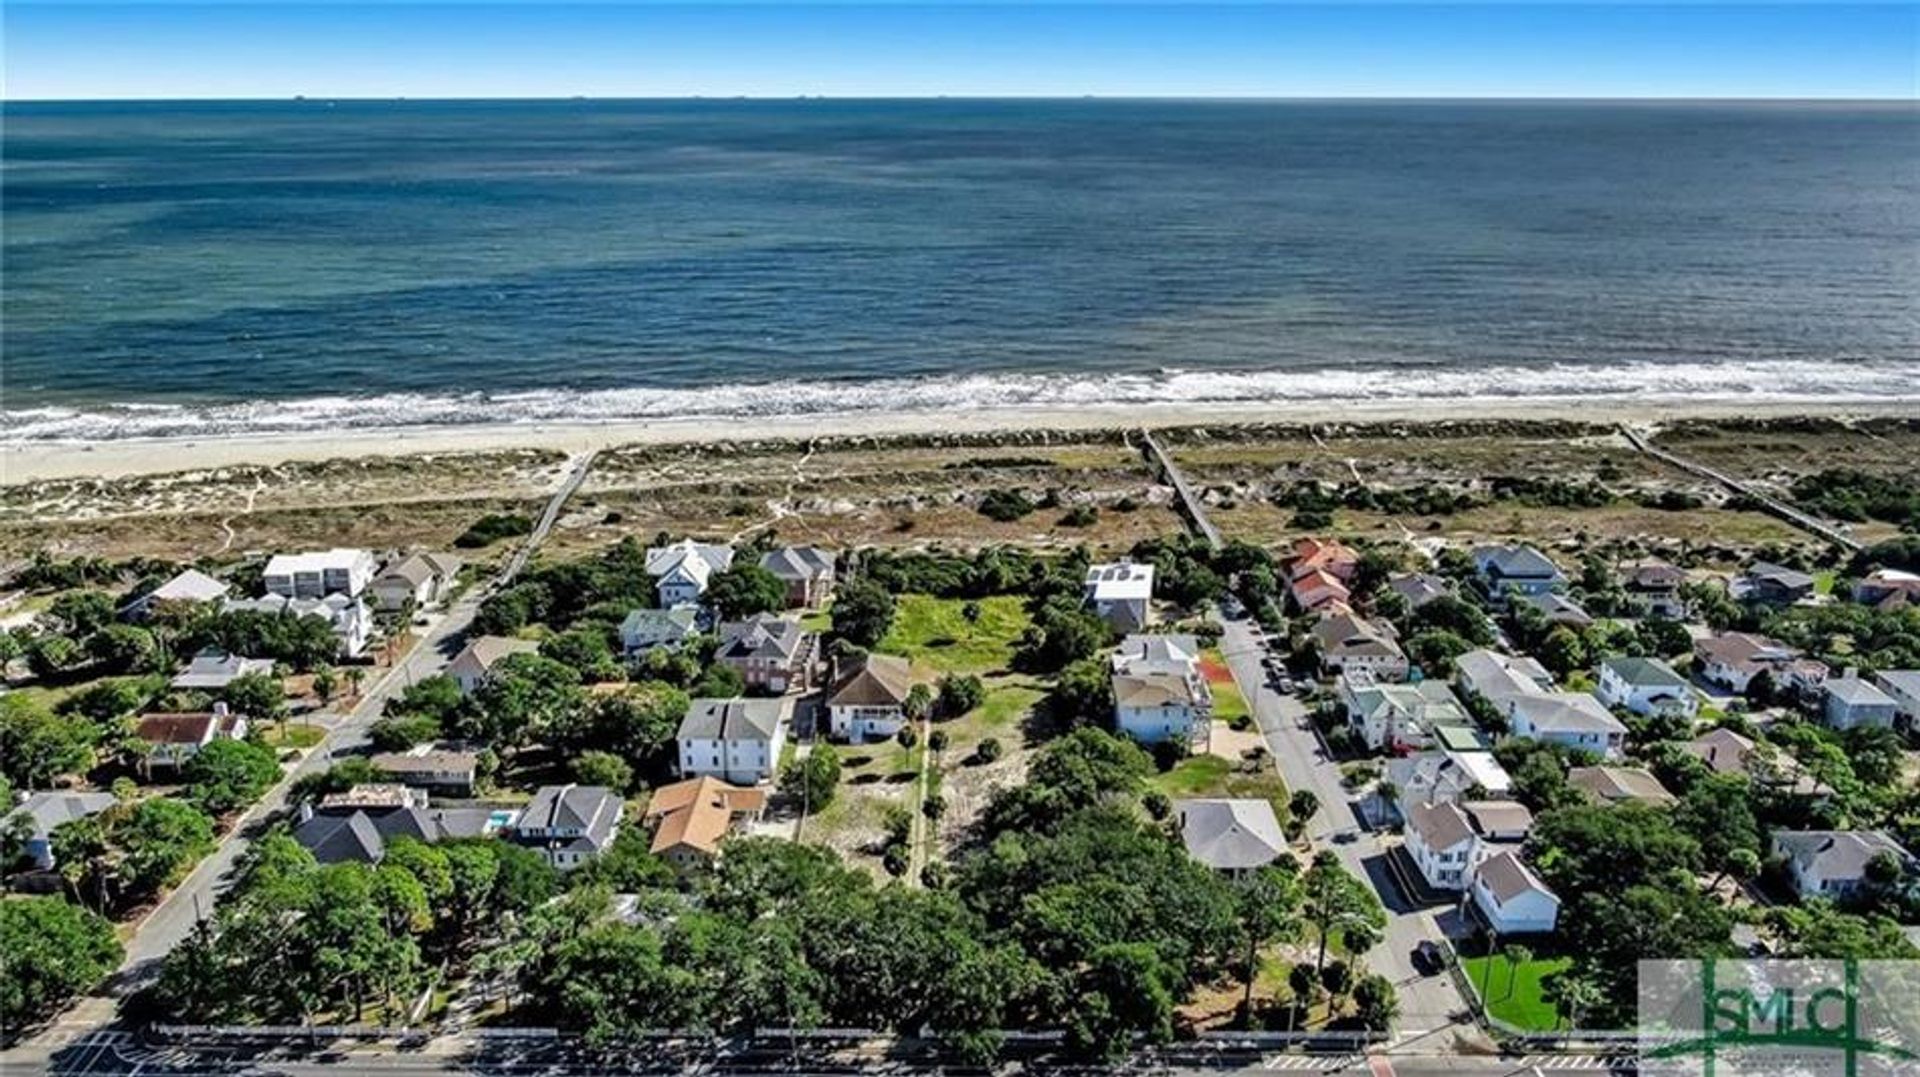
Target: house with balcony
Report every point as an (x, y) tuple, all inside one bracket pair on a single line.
[(771, 654), (1503, 571), (807, 572), (319, 574), (1645, 686), (869, 701)]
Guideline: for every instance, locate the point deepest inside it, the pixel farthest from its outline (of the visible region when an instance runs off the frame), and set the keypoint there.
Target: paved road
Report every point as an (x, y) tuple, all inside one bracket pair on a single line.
[(108, 1054), (1431, 1008), (173, 919)]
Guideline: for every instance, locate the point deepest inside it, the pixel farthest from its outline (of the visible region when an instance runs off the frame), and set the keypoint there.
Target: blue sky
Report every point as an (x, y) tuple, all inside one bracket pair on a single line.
[(159, 49)]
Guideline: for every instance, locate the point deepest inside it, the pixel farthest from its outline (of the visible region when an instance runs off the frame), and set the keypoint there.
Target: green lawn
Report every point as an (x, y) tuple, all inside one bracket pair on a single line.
[(1006, 703), (1212, 776), (294, 734), (1516, 999), (816, 620), (935, 633), (1228, 703)]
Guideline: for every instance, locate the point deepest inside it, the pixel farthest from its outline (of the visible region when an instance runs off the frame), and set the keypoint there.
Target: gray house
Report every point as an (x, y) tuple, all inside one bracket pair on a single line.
[(645, 629), (1515, 570), (569, 824)]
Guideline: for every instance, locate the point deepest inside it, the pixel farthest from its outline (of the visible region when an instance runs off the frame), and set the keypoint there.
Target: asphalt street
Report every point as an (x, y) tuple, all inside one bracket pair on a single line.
[(1432, 1010)]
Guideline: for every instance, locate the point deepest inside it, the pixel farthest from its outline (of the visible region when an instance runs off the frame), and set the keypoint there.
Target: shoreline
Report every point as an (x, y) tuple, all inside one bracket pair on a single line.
[(41, 461)]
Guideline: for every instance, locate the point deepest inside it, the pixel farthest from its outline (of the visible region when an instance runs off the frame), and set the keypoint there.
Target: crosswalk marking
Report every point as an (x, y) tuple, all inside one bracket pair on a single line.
[(1309, 1062)]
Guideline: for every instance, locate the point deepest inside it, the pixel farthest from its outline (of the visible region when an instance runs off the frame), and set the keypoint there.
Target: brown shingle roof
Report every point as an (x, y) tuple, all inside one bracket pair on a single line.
[(882, 680), (176, 728)]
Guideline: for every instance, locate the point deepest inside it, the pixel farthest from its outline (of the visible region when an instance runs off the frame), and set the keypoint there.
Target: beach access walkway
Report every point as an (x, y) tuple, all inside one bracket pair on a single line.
[(1767, 502), (1195, 512)]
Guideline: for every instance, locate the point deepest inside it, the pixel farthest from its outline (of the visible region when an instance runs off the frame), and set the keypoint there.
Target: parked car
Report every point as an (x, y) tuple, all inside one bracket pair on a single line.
[(1426, 958)]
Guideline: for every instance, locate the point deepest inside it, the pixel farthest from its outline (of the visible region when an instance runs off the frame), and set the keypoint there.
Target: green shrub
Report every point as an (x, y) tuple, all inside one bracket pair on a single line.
[(493, 527)]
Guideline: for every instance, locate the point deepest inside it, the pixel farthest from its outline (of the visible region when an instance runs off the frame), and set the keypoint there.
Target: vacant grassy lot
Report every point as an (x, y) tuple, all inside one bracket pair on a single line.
[(1513, 993), (1212, 776), (936, 634)]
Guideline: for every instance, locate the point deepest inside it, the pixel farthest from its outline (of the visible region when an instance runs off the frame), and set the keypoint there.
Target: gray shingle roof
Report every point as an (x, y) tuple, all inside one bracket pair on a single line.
[(1835, 854), (1440, 826), (761, 636), (798, 562), (48, 810), (1515, 562), (733, 719), (1230, 835)]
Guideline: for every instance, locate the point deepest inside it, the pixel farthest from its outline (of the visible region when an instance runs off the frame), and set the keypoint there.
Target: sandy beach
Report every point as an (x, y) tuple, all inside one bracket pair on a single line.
[(27, 462)]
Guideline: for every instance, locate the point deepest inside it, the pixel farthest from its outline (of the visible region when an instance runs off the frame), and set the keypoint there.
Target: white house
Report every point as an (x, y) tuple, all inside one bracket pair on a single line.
[(869, 702), (319, 574), (471, 667), (1645, 686), (1494, 676), (1121, 594), (736, 740), (1153, 707), (1399, 717), (42, 813), (1852, 703), (347, 616), (1733, 659), (190, 587), (569, 825), (1833, 863), (1440, 841), (1348, 643), (1442, 776), (1446, 840), (424, 579), (172, 739), (1174, 656), (1231, 836), (681, 570), (213, 671), (1574, 719), (1512, 898)]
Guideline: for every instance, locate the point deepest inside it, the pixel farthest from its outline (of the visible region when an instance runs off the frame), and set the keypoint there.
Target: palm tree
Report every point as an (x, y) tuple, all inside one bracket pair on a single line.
[(1516, 955), (1388, 792)]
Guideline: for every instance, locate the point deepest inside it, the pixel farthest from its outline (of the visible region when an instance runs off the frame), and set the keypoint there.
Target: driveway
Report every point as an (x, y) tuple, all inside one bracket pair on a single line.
[(1428, 1004)]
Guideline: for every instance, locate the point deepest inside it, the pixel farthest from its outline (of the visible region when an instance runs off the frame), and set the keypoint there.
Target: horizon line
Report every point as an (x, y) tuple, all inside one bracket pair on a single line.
[(322, 98)]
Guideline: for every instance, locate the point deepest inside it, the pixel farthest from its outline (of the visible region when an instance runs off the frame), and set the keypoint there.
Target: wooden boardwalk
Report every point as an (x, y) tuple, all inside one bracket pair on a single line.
[(1191, 508), (1773, 505)]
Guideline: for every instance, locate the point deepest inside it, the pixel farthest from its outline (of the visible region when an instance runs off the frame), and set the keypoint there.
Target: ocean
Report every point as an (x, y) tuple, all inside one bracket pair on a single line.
[(223, 268)]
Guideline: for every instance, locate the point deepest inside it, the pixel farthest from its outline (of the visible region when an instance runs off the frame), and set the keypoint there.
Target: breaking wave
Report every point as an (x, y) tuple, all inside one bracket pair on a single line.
[(1630, 383)]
